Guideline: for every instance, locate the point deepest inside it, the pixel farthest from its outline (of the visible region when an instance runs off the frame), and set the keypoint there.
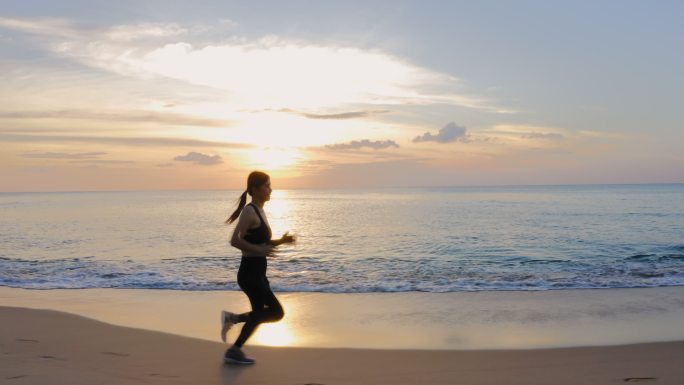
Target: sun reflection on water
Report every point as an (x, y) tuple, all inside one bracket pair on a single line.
[(279, 204), (279, 213)]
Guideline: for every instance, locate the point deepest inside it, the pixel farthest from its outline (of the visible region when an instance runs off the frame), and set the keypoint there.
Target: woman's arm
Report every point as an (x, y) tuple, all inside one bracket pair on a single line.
[(247, 219), (286, 238)]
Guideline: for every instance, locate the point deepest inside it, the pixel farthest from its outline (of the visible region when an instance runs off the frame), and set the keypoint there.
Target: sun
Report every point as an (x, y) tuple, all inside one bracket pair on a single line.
[(273, 158)]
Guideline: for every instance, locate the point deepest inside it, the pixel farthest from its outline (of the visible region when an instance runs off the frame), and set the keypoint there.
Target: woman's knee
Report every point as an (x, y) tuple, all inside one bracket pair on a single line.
[(280, 314), (275, 314)]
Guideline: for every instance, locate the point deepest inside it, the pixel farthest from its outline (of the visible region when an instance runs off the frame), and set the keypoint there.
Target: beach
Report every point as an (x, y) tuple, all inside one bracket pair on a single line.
[(461, 193), (42, 347), (75, 336), (517, 285)]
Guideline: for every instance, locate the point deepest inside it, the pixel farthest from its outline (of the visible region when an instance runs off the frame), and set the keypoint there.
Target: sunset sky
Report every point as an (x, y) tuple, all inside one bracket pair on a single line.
[(137, 95)]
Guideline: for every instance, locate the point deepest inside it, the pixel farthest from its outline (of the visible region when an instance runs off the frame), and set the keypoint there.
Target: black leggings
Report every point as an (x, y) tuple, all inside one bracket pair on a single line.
[(265, 306)]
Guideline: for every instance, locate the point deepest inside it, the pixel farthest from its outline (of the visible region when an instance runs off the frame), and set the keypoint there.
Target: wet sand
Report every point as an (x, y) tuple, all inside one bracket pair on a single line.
[(49, 347), (436, 321)]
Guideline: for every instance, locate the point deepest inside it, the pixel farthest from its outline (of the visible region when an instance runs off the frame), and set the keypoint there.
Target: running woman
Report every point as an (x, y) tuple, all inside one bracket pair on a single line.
[(252, 236)]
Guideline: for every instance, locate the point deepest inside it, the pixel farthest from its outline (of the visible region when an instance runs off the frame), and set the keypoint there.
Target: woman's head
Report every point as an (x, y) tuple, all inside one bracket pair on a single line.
[(258, 187)]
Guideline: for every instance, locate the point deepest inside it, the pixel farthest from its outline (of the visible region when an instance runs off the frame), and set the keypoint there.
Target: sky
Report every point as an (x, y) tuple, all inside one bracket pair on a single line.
[(155, 95)]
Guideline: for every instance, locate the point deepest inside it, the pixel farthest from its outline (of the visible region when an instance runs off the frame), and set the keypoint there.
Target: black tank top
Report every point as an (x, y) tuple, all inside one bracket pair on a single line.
[(261, 234)]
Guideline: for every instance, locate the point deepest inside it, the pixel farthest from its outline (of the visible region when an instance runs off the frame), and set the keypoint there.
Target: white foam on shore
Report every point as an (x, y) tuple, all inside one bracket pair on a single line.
[(479, 320), (370, 275)]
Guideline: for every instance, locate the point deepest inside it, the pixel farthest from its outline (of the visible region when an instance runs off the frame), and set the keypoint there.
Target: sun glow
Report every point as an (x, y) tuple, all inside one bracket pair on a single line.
[(275, 334), (273, 158), (281, 129)]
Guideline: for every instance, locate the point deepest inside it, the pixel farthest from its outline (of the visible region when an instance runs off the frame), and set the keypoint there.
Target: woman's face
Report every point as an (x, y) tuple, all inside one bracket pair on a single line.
[(263, 192)]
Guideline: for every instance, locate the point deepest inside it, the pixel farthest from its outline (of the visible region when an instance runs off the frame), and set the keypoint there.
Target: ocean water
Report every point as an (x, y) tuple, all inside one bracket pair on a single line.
[(382, 240)]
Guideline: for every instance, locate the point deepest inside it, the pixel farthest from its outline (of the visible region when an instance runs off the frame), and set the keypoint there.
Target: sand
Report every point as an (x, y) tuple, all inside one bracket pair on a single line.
[(50, 347), (433, 321), (115, 336)]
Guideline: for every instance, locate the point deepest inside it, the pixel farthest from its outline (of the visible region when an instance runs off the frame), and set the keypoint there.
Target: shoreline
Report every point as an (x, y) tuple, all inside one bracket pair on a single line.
[(43, 346), (511, 320), (349, 292)]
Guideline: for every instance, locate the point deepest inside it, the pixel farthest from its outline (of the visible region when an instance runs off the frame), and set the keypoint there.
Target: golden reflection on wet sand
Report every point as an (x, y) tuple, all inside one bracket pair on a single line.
[(484, 320), (274, 334)]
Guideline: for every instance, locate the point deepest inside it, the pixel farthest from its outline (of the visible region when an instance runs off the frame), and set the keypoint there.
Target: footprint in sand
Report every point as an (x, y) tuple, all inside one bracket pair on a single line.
[(26, 340), (116, 354), (161, 375), (52, 358), (635, 379)]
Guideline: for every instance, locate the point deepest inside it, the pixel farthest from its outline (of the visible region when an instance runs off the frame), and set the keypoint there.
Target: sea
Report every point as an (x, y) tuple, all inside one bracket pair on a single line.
[(445, 239)]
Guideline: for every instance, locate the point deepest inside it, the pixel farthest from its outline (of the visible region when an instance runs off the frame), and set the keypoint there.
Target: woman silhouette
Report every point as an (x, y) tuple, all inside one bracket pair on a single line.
[(252, 236)]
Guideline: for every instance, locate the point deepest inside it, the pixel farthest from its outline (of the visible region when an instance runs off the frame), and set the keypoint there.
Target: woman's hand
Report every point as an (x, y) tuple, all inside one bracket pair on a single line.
[(287, 238), (267, 250)]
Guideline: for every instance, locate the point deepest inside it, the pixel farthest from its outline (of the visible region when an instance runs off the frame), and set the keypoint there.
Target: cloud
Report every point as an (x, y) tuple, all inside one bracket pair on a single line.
[(358, 144), (125, 141), (307, 75), (531, 133), (102, 161), (449, 133), (337, 116), (62, 155), (64, 28), (541, 135), (81, 157), (317, 162), (42, 26), (141, 116), (199, 158), (166, 165), (143, 31)]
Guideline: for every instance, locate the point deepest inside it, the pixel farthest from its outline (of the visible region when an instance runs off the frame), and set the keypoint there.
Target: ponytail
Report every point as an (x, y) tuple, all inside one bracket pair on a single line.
[(241, 205), (255, 180)]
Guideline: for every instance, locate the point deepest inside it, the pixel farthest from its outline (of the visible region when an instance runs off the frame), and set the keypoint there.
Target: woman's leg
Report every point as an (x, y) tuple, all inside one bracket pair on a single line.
[(265, 308), (273, 310)]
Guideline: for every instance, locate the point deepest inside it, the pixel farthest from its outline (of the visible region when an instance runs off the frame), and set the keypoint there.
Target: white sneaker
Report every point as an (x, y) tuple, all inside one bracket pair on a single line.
[(228, 319)]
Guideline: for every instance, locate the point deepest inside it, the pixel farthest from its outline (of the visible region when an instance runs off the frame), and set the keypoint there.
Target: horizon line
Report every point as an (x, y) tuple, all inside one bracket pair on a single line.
[(354, 188)]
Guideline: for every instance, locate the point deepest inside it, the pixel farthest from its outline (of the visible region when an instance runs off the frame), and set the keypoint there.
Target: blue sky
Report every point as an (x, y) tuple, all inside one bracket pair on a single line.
[(169, 94)]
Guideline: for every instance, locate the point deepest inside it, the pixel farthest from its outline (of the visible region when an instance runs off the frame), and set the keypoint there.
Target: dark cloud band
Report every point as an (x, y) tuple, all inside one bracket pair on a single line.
[(449, 133), (358, 144), (199, 158), (125, 141)]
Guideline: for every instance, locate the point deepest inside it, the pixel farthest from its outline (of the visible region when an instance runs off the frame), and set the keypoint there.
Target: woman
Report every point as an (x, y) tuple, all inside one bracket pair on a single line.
[(252, 236)]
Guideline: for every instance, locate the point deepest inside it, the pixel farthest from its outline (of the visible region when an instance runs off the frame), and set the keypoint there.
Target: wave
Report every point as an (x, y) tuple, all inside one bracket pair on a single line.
[(663, 267)]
